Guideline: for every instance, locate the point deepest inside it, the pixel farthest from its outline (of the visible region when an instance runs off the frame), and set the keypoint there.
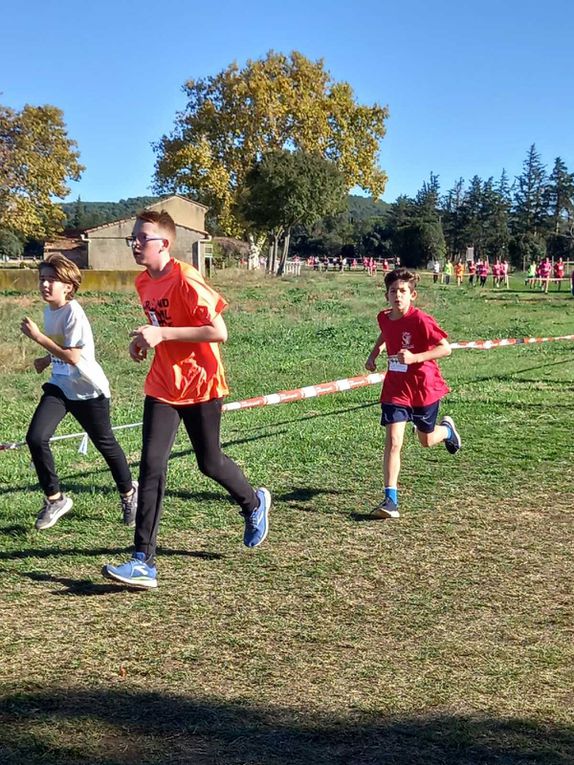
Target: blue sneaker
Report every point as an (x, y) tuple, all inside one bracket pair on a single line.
[(135, 573), (453, 443), (257, 521)]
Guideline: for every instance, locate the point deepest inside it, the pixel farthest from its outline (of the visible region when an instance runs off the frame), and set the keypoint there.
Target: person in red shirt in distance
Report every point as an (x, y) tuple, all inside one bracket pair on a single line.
[(413, 385), (186, 382)]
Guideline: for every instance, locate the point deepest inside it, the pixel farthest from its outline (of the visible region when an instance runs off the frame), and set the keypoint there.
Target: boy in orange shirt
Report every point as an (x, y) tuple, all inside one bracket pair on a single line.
[(186, 382)]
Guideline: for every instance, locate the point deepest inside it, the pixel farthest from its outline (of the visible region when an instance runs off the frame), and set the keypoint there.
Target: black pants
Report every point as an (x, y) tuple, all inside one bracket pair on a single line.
[(160, 424), (94, 417)]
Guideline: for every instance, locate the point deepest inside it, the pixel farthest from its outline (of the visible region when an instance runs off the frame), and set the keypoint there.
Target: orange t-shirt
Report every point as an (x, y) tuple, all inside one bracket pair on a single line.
[(182, 372)]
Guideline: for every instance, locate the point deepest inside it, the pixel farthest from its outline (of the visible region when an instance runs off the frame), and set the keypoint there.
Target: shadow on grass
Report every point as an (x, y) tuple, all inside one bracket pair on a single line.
[(15, 530), (77, 586), (79, 488), (362, 517), (58, 552), (119, 726), (513, 376)]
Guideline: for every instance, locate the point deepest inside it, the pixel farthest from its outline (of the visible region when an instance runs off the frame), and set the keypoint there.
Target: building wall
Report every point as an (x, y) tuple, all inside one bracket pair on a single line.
[(183, 211), (107, 249)]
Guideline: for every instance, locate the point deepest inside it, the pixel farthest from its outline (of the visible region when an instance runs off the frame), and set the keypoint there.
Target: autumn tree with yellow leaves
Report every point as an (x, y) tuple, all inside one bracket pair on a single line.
[(36, 160), (238, 116)]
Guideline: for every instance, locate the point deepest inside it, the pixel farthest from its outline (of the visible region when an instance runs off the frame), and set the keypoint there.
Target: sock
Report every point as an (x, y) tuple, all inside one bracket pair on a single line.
[(392, 493), (449, 429)]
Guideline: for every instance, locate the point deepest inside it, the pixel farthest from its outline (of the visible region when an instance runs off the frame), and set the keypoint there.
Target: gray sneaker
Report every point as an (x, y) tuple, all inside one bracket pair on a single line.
[(130, 506), (454, 443), (387, 509), (51, 513)]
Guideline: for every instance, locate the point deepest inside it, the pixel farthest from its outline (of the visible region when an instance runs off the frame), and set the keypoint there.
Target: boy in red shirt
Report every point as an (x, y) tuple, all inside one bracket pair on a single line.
[(413, 385), (186, 382)]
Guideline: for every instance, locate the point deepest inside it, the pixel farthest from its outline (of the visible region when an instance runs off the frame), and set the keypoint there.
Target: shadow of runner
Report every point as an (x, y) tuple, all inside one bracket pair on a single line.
[(120, 727), (57, 552)]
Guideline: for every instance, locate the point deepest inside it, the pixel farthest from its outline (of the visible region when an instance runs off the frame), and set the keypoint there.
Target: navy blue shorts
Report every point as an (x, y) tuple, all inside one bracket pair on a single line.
[(423, 417)]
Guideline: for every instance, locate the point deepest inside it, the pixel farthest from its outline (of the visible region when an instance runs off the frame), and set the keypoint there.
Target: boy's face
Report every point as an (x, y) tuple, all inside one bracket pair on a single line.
[(400, 296), (150, 244), (53, 291)]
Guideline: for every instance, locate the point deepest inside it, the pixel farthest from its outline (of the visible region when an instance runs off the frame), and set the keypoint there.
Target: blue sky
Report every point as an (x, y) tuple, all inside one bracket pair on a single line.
[(470, 86)]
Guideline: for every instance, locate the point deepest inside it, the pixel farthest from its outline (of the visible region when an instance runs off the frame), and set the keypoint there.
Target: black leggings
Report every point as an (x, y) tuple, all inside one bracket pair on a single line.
[(160, 424), (94, 417)]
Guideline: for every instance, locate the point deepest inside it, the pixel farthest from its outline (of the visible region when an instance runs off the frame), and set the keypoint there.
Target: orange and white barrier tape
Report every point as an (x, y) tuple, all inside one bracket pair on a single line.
[(485, 345), (312, 391)]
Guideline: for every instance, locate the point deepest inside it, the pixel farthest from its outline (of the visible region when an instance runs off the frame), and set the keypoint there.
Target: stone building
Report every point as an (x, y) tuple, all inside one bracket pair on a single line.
[(104, 247)]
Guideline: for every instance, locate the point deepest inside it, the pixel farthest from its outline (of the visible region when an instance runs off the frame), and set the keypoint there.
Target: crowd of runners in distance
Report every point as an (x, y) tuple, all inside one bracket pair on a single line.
[(473, 272)]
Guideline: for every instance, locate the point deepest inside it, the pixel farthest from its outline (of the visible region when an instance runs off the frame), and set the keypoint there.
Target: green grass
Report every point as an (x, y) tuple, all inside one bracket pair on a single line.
[(445, 637)]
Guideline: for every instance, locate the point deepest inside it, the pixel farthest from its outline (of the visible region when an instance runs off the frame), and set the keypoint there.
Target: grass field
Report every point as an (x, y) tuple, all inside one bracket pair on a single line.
[(444, 637)]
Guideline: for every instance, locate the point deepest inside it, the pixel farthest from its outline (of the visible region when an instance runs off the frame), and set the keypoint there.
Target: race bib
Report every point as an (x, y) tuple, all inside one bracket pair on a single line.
[(60, 367), (395, 365)]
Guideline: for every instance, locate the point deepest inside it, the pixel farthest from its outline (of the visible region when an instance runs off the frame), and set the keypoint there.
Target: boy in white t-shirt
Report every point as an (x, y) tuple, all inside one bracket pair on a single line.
[(77, 385)]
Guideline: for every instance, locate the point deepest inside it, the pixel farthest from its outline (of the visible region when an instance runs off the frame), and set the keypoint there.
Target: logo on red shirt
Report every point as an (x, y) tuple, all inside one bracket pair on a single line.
[(406, 340)]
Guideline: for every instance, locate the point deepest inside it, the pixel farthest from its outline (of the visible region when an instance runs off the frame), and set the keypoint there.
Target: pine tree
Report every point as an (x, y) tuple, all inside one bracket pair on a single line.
[(560, 196), (452, 219), (530, 213)]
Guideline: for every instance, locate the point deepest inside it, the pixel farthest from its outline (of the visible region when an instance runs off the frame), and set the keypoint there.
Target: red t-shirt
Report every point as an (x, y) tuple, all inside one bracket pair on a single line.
[(419, 384), (182, 373)]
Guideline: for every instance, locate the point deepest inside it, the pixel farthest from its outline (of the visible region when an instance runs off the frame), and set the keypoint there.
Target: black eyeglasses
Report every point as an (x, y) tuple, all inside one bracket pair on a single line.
[(142, 240)]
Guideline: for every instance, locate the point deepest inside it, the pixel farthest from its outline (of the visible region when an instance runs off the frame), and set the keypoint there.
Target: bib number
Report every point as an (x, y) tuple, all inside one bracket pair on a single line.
[(60, 367), (396, 366)]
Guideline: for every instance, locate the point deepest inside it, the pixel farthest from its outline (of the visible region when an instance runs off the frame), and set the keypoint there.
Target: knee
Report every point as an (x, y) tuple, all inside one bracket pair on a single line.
[(395, 443), (35, 439), (210, 466)]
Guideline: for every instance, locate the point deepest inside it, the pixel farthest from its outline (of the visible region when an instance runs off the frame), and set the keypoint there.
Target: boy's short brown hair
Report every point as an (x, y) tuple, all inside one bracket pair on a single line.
[(67, 272), (162, 220), (401, 275)]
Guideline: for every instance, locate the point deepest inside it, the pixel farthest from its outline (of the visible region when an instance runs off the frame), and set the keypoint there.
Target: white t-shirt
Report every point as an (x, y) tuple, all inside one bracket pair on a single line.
[(69, 327)]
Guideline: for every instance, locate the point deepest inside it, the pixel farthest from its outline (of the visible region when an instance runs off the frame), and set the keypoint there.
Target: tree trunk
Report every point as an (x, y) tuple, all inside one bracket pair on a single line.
[(285, 253), (274, 248)]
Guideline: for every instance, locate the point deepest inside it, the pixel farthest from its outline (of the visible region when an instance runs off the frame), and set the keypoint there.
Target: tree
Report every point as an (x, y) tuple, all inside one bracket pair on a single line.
[(285, 189), (424, 237), (237, 116), (560, 206), (10, 245), (36, 160), (530, 214), (451, 218), (560, 196), (471, 216), (415, 229)]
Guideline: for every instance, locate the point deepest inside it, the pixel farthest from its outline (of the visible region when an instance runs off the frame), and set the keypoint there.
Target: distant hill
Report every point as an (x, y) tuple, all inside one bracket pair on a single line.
[(366, 208), (82, 215)]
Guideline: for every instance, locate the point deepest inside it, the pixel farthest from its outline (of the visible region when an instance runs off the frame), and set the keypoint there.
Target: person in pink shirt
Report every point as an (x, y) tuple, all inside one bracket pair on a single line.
[(559, 272), (496, 273), (482, 270), (413, 386), (545, 271)]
